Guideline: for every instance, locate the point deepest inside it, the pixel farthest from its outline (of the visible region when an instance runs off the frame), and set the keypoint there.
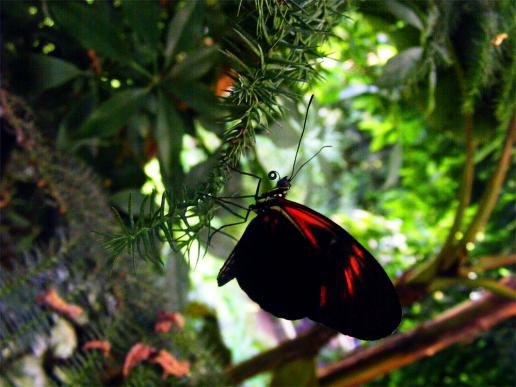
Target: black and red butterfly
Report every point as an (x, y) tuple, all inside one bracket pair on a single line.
[(296, 263)]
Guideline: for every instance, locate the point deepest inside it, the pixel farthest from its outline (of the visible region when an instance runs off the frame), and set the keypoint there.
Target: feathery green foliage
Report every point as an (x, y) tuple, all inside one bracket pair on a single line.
[(270, 52), (280, 57)]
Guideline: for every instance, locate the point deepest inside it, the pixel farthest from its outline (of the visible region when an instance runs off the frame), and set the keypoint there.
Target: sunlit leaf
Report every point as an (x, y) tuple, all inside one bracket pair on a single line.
[(401, 67), (169, 135)]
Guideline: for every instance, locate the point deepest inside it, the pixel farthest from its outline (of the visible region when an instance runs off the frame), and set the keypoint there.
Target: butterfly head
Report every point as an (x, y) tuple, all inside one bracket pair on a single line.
[(282, 185)]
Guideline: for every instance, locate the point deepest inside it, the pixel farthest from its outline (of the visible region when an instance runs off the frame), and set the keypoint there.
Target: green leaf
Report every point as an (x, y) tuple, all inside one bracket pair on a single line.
[(144, 20), (169, 135), (114, 113), (47, 72), (196, 95), (78, 113), (176, 28), (131, 196), (92, 27), (196, 64), (80, 110), (401, 68), (404, 13), (251, 43), (394, 166)]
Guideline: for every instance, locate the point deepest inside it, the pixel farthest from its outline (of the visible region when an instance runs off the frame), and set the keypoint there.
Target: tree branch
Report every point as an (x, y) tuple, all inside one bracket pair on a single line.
[(490, 195), (489, 262), (307, 344), (486, 283), (459, 323), (447, 250), (429, 269)]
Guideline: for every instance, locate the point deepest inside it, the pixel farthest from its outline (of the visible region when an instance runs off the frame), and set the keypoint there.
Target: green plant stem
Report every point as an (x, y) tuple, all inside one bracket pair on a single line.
[(489, 262), (489, 284), (428, 270), (465, 190), (490, 195)]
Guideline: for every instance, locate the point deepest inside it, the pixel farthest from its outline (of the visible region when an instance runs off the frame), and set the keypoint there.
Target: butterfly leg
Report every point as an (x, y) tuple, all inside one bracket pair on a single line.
[(256, 194), (244, 220), (224, 203)]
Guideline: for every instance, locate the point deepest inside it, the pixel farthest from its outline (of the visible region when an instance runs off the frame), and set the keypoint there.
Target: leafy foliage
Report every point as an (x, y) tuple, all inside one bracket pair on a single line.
[(131, 89), (119, 306), (409, 115), (191, 86), (277, 63), (159, 82)]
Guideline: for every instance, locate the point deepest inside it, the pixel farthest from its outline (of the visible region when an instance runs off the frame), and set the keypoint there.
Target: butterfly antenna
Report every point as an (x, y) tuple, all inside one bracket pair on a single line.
[(310, 159), (301, 138)]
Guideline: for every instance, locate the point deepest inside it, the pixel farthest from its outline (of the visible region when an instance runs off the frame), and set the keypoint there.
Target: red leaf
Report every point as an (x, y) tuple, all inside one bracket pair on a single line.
[(138, 353), (103, 345), (165, 321), (170, 365), (57, 304)]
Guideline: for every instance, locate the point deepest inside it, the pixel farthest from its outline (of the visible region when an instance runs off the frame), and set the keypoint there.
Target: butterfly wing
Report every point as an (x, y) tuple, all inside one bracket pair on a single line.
[(295, 262), (356, 297), (228, 270), (272, 263)]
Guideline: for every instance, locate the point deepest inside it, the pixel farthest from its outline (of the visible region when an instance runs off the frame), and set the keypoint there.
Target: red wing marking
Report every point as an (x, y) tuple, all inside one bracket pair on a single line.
[(354, 265), (358, 251), (322, 300), (349, 281), (304, 220)]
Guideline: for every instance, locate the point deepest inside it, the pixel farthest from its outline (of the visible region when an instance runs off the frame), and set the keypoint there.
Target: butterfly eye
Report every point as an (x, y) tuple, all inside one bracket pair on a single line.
[(273, 175)]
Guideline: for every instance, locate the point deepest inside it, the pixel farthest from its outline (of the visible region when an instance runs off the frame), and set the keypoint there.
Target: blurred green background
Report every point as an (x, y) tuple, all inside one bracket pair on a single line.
[(145, 106)]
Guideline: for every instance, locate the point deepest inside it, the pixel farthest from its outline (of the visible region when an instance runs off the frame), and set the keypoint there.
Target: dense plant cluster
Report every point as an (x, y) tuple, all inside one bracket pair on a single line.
[(112, 86), (416, 98)]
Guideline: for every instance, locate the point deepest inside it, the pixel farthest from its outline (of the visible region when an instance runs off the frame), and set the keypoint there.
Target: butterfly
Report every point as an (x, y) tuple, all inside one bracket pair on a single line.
[(295, 262)]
